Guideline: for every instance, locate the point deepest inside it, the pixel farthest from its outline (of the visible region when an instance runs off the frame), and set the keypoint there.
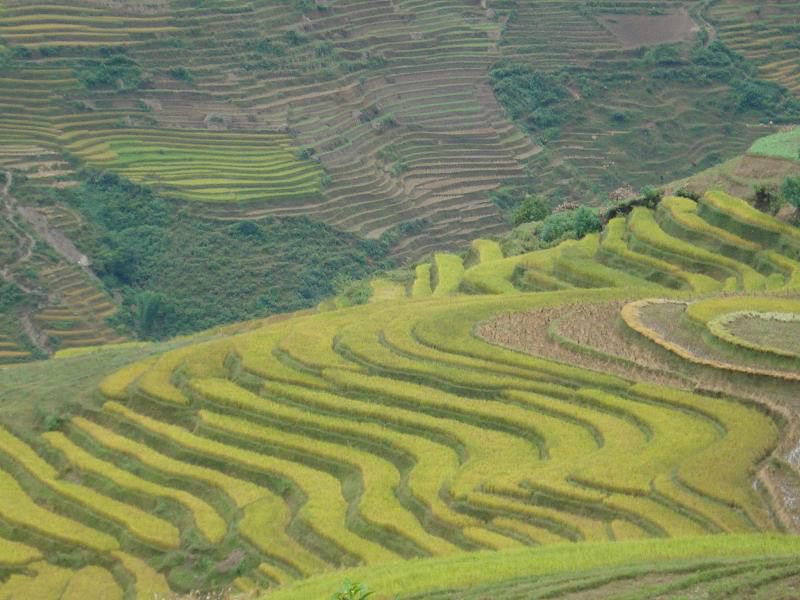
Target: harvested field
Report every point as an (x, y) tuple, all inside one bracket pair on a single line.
[(634, 31)]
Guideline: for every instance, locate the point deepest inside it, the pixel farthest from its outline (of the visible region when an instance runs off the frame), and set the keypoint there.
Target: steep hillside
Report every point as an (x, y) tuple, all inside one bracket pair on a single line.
[(389, 124), (636, 92), (648, 397)]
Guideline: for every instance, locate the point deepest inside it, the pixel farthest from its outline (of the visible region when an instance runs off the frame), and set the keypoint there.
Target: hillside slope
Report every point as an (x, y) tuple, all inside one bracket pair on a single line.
[(634, 402), (389, 124)]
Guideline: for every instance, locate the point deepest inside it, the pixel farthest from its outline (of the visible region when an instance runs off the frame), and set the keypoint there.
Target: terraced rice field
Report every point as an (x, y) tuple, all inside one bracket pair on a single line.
[(401, 133), (764, 32), (446, 424), (717, 244), (566, 573), (631, 129), (363, 114)]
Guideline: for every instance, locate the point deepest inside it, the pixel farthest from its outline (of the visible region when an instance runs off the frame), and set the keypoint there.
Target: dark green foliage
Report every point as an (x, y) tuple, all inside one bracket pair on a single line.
[(181, 73), (791, 191), (766, 199), (533, 208), (717, 63), (115, 70), (529, 96), (11, 297), (569, 224), (556, 227), (586, 221), (652, 195), (663, 55), (153, 312), (6, 57), (685, 192), (179, 273), (293, 38)]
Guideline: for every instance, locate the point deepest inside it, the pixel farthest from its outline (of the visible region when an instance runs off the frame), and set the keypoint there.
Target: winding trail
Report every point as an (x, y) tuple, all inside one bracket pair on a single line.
[(25, 246)]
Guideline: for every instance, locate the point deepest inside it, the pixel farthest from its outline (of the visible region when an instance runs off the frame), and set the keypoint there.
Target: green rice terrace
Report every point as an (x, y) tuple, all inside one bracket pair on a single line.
[(600, 417)]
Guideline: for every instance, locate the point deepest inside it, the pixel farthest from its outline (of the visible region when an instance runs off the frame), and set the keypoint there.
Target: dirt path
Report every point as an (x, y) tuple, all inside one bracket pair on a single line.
[(25, 242), (54, 238), (25, 245)]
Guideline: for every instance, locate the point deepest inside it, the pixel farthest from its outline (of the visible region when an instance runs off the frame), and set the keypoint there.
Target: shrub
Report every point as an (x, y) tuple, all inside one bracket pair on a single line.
[(586, 221), (153, 309), (117, 71), (652, 195), (685, 192), (181, 73), (507, 196), (765, 198), (530, 96), (533, 208), (663, 55), (791, 191), (574, 223), (293, 38), (10, 296)]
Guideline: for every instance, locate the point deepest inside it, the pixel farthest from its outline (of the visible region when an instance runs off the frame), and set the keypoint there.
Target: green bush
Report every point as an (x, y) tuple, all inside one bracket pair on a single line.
[(117, 71), (181, 73), (569, 224), (766, 199), (10, 296), (529, 96), (533, 208), (586, 221), (791, 191)]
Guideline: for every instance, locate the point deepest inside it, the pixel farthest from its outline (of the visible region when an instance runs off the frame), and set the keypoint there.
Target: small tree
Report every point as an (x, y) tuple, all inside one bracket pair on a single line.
[(352, 591), (791, 191), (652, 195), (533, 208), (765, 198), (586, 221)]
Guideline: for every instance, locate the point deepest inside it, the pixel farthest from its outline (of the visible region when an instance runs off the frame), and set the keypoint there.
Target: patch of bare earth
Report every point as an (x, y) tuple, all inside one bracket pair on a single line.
[(594, 337), (634, 31)]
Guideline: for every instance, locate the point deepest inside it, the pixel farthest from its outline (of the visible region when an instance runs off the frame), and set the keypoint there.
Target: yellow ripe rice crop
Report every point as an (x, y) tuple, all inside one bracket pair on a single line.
[(644, 227), (487, 250), (448, 269), (476, 569), (704, 311), (380, 478), (493, 277), (46, 581), (684, 211), (740, 211), (16, 553), (208, 521), (149, 583), (631, 314), (18, 508), (325, 509), (149, 529), (422, 281), (92, 582), (116, 385)]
